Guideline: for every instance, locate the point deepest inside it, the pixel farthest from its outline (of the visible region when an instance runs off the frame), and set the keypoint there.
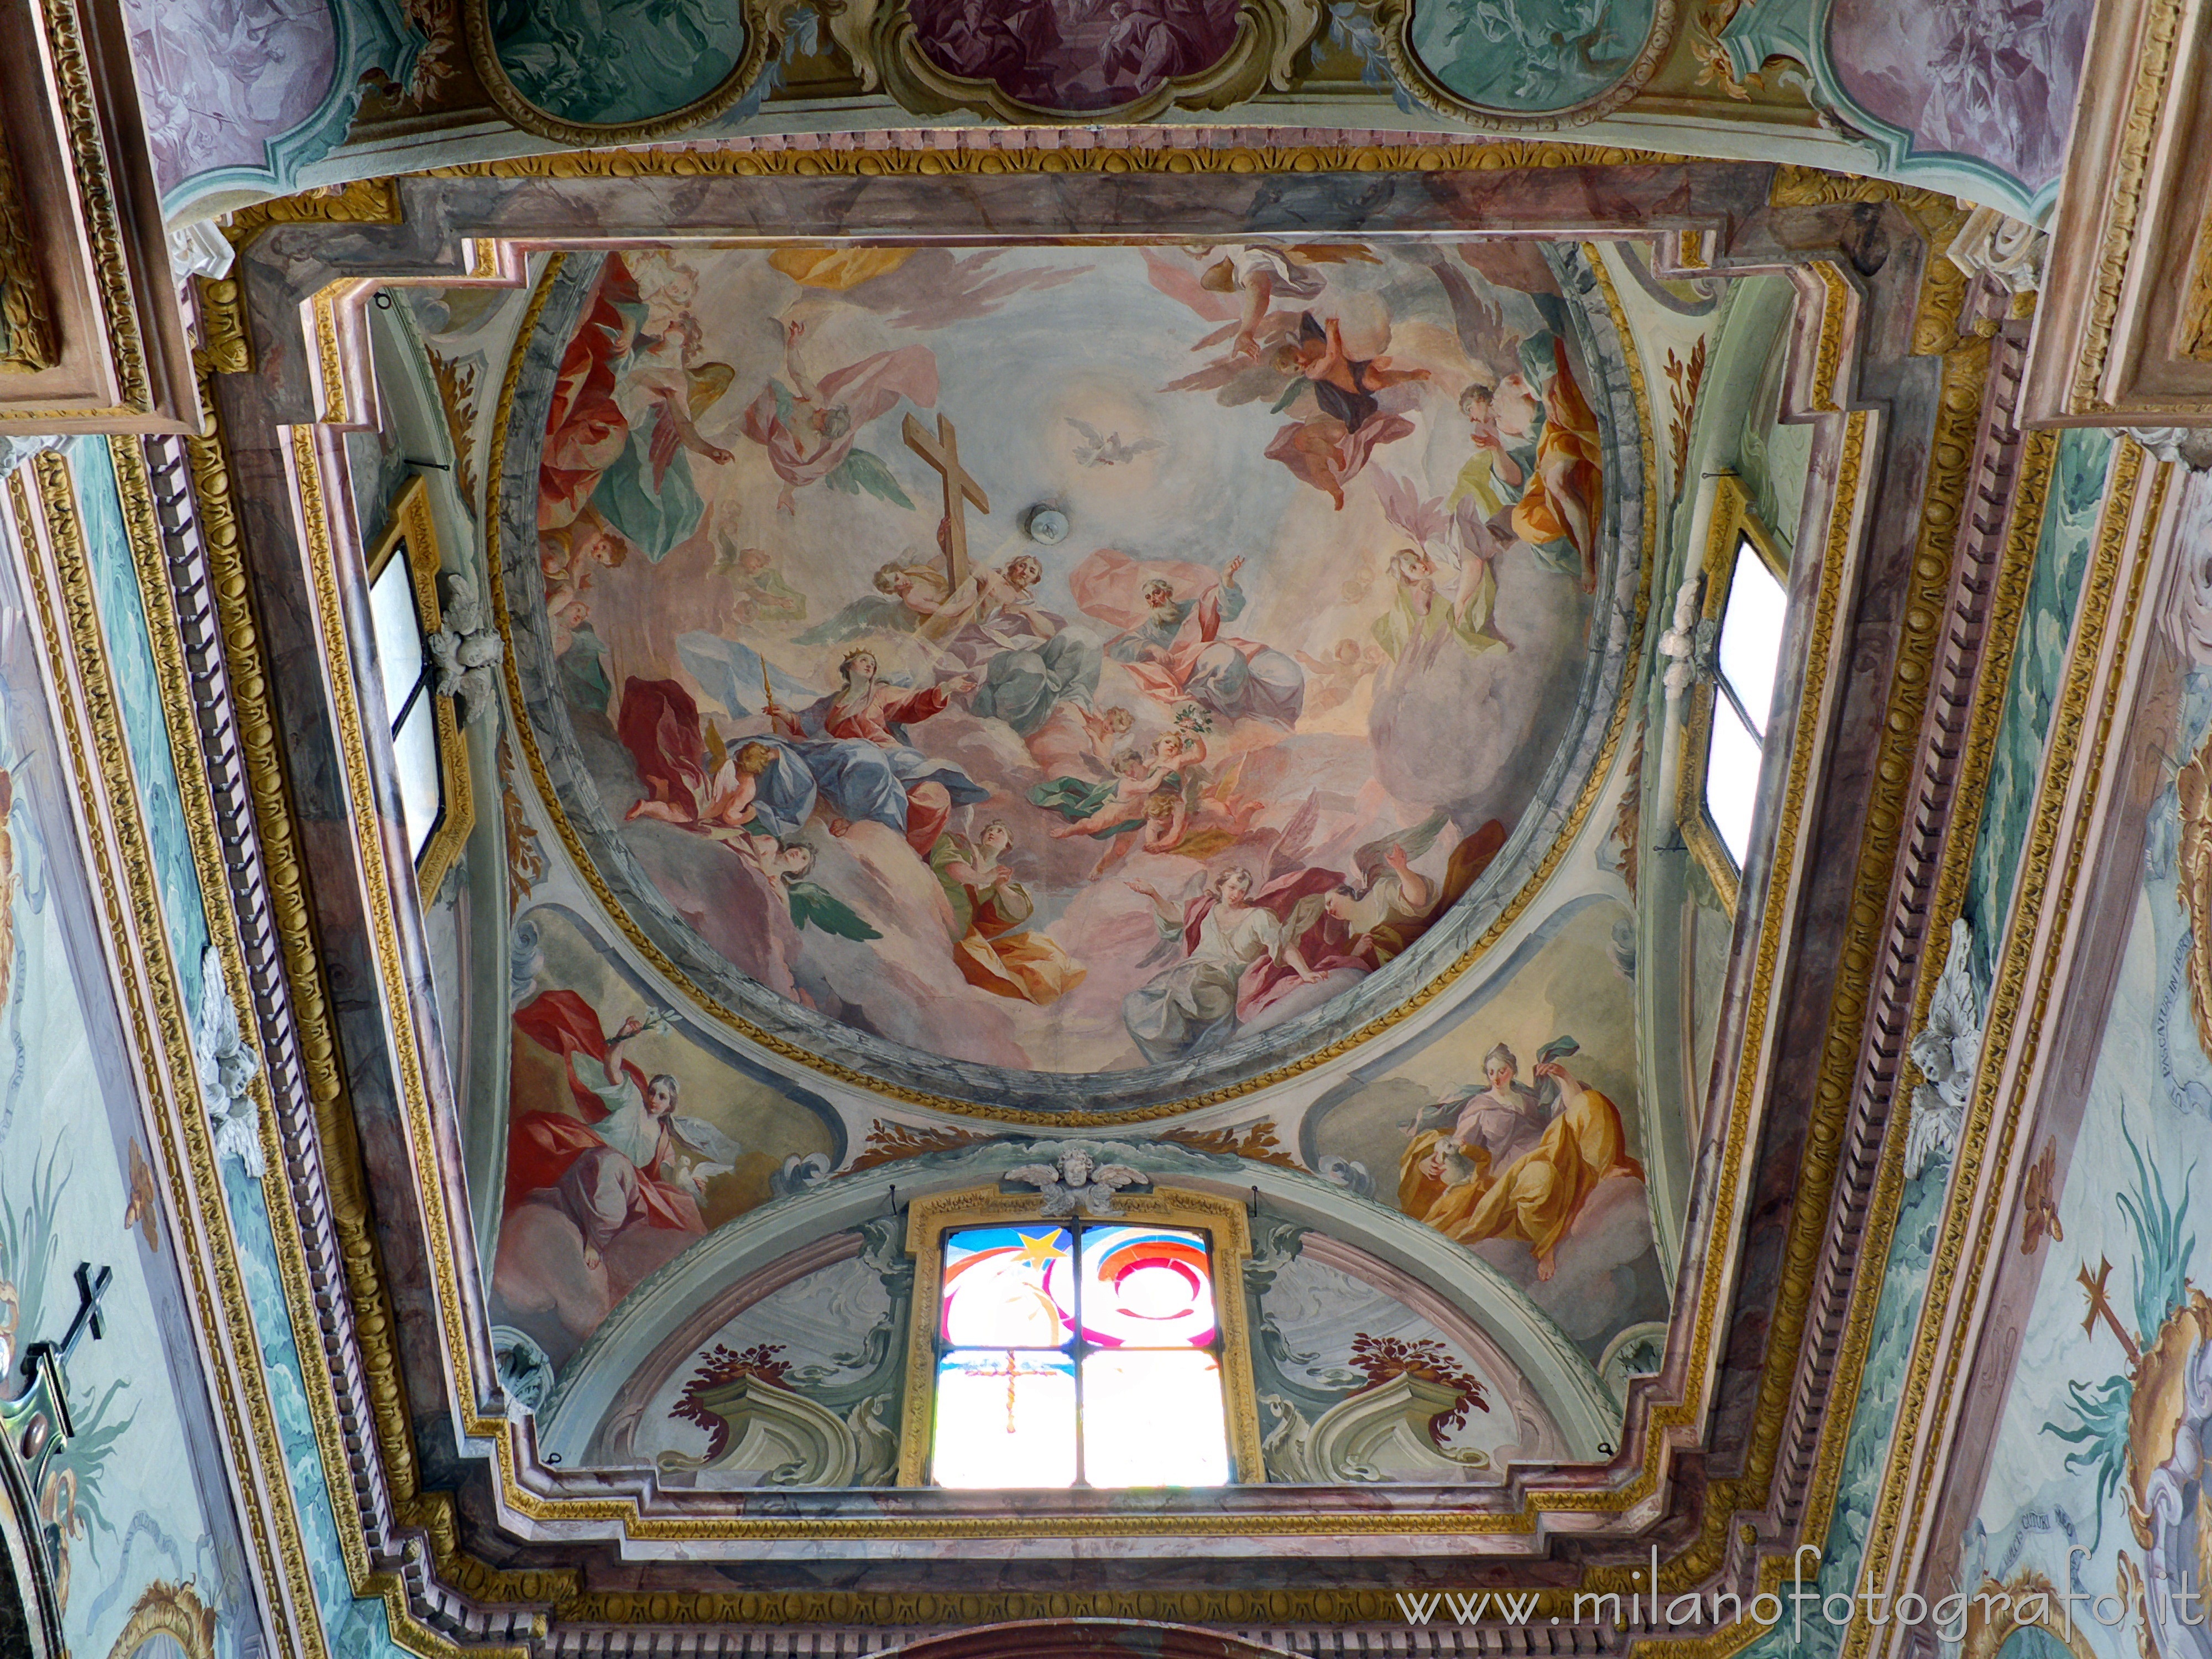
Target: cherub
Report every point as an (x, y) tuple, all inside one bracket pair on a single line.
[(727, 802), (1340, 673), (1106, 810), (1108, 730), (466, 649), (762, 595), (1078, 1179), (1343, 386)]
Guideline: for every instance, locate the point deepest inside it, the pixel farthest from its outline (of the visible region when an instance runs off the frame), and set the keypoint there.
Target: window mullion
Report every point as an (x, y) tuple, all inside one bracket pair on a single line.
[(413, 696), (1758, 731), (1076, 1352)]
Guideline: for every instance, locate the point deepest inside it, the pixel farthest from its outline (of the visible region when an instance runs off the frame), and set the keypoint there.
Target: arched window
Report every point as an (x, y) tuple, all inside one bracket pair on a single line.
[(1081, 1351)]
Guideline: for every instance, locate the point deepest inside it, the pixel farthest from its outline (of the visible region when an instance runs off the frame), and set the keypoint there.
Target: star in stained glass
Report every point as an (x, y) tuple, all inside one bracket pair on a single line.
[(1041, 1252)]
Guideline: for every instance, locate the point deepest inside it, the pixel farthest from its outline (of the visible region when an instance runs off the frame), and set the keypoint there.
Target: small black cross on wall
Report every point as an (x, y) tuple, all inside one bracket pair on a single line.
[(89, 1291)]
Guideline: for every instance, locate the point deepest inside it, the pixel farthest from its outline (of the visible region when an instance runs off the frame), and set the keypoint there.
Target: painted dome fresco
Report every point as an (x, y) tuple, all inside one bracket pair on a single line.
[(1151, 661)]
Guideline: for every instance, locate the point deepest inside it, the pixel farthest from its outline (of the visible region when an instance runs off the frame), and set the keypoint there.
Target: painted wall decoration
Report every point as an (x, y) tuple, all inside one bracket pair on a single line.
[(1354, 1385), (612, 63), (1975, 95), (801, 1387), (1992, 80), (2096, 1450), (136, 1505), (1060, 659), (1512, 1128), (628, 1138), (2062, 559), (352, 1626), (219, 79), (1526, 60), (1075, 54)]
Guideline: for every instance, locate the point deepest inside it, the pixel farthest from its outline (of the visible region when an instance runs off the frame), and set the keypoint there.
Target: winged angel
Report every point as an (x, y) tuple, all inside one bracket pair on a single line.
[(1077, 1179), (227, 1065)]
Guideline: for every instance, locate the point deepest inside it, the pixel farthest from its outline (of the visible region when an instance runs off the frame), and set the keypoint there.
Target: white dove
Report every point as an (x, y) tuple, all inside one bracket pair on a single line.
[(1108, 449)]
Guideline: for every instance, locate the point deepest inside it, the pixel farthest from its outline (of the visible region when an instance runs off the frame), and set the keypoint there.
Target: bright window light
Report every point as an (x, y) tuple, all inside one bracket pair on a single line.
[(1732, 781), (404, 668), (1751, 636), (1083, 1353), (415, 747), (398, 631), (1750, 663)]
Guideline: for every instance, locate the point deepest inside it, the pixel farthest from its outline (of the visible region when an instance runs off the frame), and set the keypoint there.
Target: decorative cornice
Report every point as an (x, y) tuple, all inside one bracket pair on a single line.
[(868, 161)]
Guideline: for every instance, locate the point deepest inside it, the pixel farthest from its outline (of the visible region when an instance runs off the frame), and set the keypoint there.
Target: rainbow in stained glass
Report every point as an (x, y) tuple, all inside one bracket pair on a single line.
[(1079, 1354), (1009, 1287), (1146, 1287)]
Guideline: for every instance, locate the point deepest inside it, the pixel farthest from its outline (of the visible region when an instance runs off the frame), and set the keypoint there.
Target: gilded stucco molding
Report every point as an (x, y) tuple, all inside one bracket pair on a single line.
[(1938, 219), (1866, 1014), (26, 328), (1500, 155), (319, 1209), (2124, 201), (172, 1610), (224, 333), (89, 156), (61, 587), (118, 359), (2052, 861)]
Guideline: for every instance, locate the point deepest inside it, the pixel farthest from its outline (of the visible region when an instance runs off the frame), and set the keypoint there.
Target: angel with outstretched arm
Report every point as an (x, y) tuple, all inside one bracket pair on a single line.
[(1225, 930)]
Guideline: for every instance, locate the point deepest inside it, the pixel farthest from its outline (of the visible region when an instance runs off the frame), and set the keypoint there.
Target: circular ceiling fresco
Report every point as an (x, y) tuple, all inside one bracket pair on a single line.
[(1073, 671)]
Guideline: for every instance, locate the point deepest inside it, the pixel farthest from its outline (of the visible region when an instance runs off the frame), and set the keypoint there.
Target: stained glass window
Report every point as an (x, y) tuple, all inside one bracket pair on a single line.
[(1079, 1354)]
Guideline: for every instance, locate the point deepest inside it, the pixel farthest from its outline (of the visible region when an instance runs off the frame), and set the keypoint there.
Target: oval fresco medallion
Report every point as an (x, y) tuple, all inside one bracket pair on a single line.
[(1516, 61), (1069, 673), (613, 69)]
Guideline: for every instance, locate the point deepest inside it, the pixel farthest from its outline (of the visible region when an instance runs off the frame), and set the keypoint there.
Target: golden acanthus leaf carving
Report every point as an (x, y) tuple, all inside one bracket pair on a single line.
[(26, 331), (2193, 787)]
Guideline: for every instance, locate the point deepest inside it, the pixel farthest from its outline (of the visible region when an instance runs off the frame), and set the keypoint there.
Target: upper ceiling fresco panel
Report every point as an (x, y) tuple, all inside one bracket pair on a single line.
[(1259, 665)]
